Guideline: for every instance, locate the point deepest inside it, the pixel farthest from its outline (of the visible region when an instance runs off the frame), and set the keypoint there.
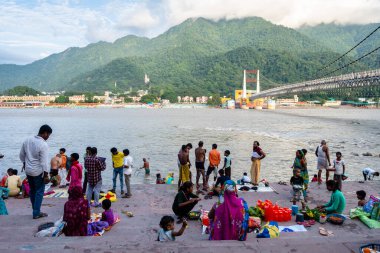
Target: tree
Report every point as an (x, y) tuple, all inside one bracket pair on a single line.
[(21, 91), (170, 95), (128, 100), (62, 99), (214, 100), (149, 98)]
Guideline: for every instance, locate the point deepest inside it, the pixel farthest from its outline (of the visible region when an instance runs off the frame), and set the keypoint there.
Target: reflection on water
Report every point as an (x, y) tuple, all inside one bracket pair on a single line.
[(159, 134)]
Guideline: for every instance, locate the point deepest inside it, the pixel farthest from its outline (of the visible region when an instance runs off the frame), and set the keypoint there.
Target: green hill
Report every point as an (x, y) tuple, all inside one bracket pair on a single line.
[(198, 56), (341, 38)]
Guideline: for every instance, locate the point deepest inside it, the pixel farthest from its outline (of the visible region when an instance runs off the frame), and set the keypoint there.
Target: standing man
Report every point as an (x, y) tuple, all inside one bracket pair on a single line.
[(323, 160), (117, 162), (200, 156), (127, 165), (94, 166), (34, 155), (256, 157), (214, 159), (184, 166)]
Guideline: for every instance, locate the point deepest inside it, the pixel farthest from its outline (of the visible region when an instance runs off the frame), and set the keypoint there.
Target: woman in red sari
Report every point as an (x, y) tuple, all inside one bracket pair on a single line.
[(76, 213)]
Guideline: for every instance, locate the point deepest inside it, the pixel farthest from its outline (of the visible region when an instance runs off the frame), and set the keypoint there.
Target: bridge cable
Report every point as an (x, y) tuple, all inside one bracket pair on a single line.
[(352, 62), (369, 35)]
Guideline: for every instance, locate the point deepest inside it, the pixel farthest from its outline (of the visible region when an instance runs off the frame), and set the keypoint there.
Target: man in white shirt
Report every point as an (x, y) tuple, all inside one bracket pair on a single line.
[(128, 164), (35, 157), (369, 173)]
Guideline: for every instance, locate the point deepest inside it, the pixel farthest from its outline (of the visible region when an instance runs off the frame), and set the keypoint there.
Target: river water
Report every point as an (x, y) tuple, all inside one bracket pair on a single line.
[(158, 134)]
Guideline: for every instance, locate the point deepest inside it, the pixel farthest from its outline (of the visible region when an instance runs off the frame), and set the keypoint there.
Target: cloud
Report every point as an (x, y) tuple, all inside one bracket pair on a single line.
[(42, 27), (291, 13)]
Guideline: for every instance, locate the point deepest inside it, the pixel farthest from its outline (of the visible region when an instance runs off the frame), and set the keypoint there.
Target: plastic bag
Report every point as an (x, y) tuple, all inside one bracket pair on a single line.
[(46, 232), (269, 230), (369, 205)]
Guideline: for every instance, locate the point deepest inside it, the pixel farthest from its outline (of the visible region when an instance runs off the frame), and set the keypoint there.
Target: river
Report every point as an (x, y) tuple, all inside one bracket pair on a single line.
[(158, 134)]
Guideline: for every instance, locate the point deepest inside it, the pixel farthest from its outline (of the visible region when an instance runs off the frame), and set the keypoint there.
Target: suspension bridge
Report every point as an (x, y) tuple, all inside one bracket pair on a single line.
[(369, 80)]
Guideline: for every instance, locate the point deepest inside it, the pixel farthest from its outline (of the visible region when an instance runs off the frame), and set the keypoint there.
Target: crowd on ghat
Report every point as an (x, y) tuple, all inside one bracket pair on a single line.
[(227, 216)]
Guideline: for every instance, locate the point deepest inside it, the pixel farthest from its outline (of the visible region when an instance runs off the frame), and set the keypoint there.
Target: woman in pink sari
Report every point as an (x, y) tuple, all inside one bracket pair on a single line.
[(229, 219)]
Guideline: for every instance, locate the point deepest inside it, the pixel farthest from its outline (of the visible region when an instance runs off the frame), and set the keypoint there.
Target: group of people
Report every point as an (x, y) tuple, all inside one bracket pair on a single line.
[(215, 160), (228, 216)]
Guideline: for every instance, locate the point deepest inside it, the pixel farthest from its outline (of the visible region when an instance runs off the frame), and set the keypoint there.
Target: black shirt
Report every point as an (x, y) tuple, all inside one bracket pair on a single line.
[(296, 180), (221, 180), (181, 197)]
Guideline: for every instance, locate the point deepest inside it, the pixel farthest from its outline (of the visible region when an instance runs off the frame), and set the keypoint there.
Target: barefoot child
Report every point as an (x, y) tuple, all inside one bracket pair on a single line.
[(167, 233), (339, 169), (297, 182), (361, 197)]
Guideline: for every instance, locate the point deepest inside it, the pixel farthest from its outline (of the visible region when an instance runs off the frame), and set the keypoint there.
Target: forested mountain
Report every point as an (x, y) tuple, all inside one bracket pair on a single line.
[(341, 38), (197, 57)]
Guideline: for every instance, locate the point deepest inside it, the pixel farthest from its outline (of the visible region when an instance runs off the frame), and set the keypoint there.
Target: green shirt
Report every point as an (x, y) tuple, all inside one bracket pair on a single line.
[(337, 203)]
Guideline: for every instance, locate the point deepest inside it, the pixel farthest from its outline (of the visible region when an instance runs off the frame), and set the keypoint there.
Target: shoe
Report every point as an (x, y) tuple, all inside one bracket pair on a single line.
[(41, 215), (112, 190), (96, 205), (126, 196), (122, 192)]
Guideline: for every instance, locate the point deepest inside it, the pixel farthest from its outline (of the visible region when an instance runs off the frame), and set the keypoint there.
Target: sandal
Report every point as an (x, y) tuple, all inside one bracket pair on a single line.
[(41, 215), (323, 231)]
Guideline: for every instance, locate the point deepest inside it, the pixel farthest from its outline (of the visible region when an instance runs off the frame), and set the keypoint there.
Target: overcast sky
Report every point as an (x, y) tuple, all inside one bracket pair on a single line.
[(31, 30)]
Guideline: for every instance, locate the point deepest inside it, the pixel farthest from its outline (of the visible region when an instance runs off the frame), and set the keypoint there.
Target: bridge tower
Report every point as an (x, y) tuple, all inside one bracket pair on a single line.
[(242, 96)]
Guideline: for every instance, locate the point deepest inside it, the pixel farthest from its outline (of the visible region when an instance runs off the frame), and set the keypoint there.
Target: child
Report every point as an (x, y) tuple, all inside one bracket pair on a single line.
[(315, 178), (339, 169), (75, 173), (146, 166), (245, 179), (108, 214), (297, 182), (159, 179), (169, 178), (361, 197), (227, 163), (167, 233), (221, 179)]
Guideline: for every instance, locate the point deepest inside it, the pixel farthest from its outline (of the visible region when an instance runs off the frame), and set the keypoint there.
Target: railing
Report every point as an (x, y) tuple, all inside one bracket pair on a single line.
[(352, 80)]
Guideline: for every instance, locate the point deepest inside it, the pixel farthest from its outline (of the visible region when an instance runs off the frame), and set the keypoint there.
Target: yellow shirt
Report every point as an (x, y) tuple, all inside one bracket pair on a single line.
[(13, 183), (118, 160)]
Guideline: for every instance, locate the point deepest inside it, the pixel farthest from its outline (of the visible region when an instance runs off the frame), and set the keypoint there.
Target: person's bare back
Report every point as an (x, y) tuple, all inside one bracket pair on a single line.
[(55, 162), (200, 154)]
